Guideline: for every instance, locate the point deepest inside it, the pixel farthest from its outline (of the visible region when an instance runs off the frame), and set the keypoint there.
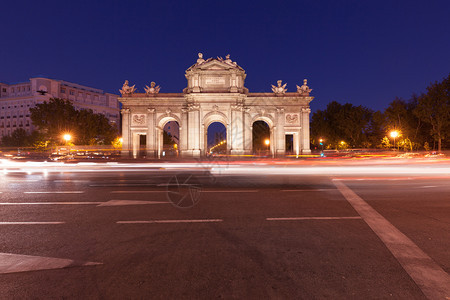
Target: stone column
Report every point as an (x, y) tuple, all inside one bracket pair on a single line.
[(248, 134), (194, 130), (280, 137), (305, 131), (237, 130), (151, 132), (183, 146), (126, 144)]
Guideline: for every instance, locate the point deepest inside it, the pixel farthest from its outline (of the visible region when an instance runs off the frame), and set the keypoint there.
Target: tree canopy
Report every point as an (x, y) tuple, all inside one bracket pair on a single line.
[(59, 116), (337, 123)]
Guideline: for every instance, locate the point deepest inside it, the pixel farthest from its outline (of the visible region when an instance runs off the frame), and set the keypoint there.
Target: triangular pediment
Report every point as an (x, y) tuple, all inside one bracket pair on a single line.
[(215, 64)]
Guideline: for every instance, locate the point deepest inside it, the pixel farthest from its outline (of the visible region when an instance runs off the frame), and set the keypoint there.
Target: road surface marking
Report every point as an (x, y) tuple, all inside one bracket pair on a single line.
[(136, 192), (14, 263), (122, 184), (170, 221), (50, 203), (389, 178), (309, 190), (107, 203), (313, 218), (130, 202), (31, 223), (56, 192), (427, 186), (230, 191), (428, 275)]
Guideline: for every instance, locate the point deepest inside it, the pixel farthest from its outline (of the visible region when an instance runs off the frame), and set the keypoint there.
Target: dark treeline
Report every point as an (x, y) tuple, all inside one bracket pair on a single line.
[(422, 123)]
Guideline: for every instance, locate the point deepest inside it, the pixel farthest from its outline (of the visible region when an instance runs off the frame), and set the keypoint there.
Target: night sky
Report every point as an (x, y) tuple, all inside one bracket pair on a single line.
[(362, 52)]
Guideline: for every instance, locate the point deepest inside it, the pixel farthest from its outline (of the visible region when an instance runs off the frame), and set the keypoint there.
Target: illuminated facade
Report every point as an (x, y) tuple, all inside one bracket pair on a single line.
[(215, 92), (17, 99)]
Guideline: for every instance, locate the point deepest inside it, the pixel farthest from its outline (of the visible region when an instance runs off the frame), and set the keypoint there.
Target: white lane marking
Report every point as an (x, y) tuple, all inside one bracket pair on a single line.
[(107, 203), (31, 223), (60, 192), (122, 184), (130, 202), (136, 192), (427, 186), (170, 221), (231, 191), (14, 263), (309, 190), (313, 218), (50, 203), (428, 275)]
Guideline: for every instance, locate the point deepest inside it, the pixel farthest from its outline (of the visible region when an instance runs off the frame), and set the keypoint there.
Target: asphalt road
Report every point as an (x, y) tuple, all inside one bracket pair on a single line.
[(119, 234)]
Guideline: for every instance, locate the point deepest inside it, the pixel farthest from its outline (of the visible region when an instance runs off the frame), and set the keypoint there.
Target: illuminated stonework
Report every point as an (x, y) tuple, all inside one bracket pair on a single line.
[(215, 92)]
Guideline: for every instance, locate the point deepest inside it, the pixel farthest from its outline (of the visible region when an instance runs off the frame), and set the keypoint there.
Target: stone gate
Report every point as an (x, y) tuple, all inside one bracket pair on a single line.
[(215, 92)]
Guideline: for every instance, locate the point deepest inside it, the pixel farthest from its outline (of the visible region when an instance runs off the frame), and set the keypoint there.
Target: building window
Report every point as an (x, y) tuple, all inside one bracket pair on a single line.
[(72, 93), (62, 90)]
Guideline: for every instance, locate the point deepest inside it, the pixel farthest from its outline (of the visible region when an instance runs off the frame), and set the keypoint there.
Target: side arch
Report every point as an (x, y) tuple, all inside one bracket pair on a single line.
[(162, 120)]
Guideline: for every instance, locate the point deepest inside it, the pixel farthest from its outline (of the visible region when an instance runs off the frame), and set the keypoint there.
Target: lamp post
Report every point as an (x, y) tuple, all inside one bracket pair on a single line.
[(321, 144), (67, 137), (267, 142), (394, 134)]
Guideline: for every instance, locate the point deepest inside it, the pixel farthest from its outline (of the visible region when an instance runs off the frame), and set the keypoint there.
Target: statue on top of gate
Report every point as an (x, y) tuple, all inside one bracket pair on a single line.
[(304, 90), (280, 89), (126, 89), (153, 89)]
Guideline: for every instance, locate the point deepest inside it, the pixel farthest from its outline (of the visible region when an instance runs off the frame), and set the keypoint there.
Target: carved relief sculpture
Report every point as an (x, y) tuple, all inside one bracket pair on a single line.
[(280, 89), (291, 118), (138, 119), (153, 89), (304, 90), (126, 89)]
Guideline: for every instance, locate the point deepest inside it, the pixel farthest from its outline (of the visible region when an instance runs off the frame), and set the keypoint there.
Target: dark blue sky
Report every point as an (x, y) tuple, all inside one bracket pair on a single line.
[(362, 52)]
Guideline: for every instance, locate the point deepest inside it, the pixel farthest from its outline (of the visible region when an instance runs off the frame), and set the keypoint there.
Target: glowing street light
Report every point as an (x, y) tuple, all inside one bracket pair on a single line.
[(67, 137), (394, 134), (321, 144)]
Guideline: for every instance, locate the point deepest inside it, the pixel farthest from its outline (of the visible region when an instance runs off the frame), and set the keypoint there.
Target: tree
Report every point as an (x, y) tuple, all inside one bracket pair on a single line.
[(57, 116), (339, 122), (434, 109), (18, 138)]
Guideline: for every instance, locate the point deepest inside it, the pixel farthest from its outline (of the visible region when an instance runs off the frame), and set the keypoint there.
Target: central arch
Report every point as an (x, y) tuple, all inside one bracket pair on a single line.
[(211, 119)]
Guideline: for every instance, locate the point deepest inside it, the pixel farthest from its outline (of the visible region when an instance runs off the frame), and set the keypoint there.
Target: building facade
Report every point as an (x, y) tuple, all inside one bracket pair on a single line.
[(215, 92), (17, 99)]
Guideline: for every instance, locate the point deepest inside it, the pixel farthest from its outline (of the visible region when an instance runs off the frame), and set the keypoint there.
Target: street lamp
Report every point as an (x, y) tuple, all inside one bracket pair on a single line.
[(67, 137), (267, 142), (394, 134), (321, 144)]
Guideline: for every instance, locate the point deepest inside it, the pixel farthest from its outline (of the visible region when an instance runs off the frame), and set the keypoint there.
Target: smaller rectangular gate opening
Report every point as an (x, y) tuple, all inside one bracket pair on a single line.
[(289, 146), (142, 145)]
